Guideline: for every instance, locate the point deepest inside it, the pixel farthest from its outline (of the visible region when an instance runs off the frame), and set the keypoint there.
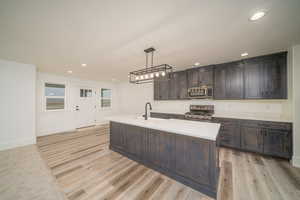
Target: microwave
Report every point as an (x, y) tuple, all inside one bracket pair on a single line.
[(202, 92)]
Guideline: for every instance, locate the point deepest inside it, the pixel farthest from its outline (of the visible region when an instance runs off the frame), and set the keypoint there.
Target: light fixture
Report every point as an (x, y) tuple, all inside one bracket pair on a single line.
[(83, 65), (244, 54), (70, 71), (147, 74), (197, 64), (257, 15)]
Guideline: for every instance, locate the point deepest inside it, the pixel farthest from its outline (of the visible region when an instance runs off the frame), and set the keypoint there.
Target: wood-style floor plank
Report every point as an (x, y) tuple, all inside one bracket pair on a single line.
[(86, 169)]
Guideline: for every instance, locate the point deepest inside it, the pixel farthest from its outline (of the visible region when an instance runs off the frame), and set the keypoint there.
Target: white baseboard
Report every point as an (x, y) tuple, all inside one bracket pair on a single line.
[(296, 161), (44, 133), (16, 143)]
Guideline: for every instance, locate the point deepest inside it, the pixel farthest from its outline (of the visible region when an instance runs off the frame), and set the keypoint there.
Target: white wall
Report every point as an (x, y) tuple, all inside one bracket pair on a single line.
[(49, 122), (296, 104), (17, 104)]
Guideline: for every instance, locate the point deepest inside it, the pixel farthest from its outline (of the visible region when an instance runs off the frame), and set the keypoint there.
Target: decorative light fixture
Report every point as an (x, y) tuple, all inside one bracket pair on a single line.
[(147, 74)]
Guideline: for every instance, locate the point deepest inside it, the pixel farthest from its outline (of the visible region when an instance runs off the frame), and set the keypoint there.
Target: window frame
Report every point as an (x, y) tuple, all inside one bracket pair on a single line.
[(106, 108), (45, 97)]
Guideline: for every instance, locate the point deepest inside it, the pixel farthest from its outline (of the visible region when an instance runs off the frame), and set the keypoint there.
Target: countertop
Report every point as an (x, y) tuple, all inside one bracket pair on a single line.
[(202, 130)]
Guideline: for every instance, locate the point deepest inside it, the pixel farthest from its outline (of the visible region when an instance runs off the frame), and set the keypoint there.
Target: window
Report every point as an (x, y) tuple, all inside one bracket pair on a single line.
[(85, 93), (105, 98), (55, 96)]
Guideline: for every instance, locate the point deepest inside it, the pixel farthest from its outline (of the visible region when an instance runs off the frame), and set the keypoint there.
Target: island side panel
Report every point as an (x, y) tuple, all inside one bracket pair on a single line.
[(189, 160)]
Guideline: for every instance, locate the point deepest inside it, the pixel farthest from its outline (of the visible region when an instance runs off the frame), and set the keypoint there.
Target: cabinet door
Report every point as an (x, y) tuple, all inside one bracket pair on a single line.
[(253, 74), (182, 85), (193, 78), (134, 141), (266, 77), (156, 89), (234, 81), (277, 143), (173, 85), (164, 88), (230, 136), (192, 159), (274, 77), (161, 150), (206, 75), (220, 82), (116, 135), (252, 138)]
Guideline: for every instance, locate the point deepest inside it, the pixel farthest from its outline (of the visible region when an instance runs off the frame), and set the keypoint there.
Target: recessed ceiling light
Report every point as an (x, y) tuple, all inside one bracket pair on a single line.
[(197, 64), (257, 15), (70, 71), (83, 65), (244, 54)]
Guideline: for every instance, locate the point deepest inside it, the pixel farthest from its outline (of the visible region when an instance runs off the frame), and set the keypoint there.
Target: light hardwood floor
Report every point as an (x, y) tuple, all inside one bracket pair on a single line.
[(86, 169)]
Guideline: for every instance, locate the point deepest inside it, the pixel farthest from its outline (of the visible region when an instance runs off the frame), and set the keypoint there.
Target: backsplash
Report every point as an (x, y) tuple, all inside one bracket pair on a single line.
[(135, 97)]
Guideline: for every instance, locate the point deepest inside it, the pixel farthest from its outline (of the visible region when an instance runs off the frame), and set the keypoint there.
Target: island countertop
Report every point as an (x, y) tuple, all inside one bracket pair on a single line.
[(202, 130)]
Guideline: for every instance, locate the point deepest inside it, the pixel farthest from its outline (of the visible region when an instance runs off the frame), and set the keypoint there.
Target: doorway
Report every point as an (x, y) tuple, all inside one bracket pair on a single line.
[(84, 106)]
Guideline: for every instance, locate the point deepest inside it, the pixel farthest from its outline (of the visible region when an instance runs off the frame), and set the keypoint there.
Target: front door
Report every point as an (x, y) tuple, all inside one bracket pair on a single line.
[(84, 106)]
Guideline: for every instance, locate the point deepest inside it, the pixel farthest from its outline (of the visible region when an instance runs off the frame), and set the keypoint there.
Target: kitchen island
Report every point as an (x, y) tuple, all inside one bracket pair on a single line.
[(183, 150)]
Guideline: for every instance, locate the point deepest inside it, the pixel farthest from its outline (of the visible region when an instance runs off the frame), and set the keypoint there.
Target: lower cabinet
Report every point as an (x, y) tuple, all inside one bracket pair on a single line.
[(189, 160), (277, 142), (160, 148), (252, 139), (194, 160), (268, 138), (229, 134)]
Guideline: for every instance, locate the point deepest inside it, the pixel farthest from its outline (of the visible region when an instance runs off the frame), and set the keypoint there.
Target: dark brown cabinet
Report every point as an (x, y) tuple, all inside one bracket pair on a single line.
[(252, 138), (200, 76), (117, 140), (160, 150), (161, 88), (206, 75), (193, 163), (228, 81), (190, 160), (277, 142), (268, 138), (263, 77), (134, 140), (193, 77), (266, 77), (178, 85), (229, 134)]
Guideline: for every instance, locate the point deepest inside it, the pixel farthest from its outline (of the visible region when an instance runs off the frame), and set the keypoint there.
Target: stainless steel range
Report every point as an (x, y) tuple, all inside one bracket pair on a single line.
[(200, 112)]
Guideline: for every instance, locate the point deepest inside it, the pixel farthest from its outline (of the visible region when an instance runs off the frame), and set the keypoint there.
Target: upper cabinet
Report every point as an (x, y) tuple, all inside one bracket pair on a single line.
[(263, 77), (228, 81), (266, 77), (206, 75), (178, 85), (200, 76), (161, 88)]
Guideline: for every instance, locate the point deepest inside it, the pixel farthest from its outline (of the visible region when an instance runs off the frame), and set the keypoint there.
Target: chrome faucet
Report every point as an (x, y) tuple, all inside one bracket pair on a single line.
[(146, 111)]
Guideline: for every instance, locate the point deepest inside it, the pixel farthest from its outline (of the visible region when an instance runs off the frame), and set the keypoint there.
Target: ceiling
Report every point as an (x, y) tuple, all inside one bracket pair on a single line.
[(110, 35)]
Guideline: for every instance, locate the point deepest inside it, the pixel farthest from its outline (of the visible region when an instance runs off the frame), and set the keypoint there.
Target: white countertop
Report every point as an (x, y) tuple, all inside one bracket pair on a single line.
[(203, 130)]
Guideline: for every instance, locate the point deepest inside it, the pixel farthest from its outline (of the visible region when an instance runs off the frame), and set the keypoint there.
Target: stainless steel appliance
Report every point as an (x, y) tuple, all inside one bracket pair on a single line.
[(200, 112), (202, 92)]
